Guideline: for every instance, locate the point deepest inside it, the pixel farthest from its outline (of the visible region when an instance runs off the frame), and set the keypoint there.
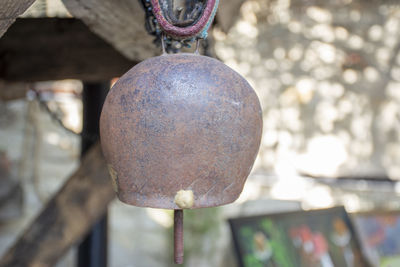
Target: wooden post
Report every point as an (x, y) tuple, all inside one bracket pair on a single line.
[(92, 252), (66, 217)]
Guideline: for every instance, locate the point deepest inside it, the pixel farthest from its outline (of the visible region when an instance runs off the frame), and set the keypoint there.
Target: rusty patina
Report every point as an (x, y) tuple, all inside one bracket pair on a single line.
[(180, 122)]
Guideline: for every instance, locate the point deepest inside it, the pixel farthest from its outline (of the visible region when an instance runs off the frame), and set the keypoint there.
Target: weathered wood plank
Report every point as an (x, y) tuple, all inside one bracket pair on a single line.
[(66, 217), (36, 49), (121, 23), (10, 10)]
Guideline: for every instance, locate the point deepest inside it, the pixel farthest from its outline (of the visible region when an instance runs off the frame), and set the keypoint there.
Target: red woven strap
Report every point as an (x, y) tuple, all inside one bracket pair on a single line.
[(183, 32)]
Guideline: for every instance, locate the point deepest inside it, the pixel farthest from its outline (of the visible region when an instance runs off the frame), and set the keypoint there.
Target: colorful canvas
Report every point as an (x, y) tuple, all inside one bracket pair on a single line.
[(380, 237), (321, 238)]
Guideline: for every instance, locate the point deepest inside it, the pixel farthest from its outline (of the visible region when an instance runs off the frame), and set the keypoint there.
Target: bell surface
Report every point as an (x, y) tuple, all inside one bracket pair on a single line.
[(180, 122)]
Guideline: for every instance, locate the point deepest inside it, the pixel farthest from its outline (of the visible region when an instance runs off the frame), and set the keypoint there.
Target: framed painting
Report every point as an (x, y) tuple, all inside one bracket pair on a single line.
[(317, 238), (379, 233)]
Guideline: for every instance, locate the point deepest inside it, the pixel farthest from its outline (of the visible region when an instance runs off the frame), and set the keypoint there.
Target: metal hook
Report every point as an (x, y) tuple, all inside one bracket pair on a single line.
[(164, 51), (197, 46)]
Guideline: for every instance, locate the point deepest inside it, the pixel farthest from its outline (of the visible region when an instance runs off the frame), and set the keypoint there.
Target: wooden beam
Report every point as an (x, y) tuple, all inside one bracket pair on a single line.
[(121, 23), (36, 49), (10, 10), (66, 217)]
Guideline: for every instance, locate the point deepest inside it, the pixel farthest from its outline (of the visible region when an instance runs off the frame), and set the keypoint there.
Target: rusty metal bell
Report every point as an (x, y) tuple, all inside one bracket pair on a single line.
[(180, 131)]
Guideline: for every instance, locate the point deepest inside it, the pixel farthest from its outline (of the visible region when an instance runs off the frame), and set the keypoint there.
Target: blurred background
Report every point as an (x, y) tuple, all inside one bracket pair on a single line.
[(327, 74)]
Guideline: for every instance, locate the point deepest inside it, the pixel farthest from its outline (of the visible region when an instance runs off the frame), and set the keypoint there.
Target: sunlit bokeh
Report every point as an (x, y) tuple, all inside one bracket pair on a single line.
[(327, 75)]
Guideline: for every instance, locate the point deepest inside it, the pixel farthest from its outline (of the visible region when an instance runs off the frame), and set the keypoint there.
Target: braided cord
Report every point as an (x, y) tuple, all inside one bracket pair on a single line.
[(198, 30), (203, 34)]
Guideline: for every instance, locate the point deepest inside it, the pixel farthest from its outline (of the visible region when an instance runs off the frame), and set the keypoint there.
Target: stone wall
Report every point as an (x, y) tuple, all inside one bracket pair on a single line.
[(328, 77)]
